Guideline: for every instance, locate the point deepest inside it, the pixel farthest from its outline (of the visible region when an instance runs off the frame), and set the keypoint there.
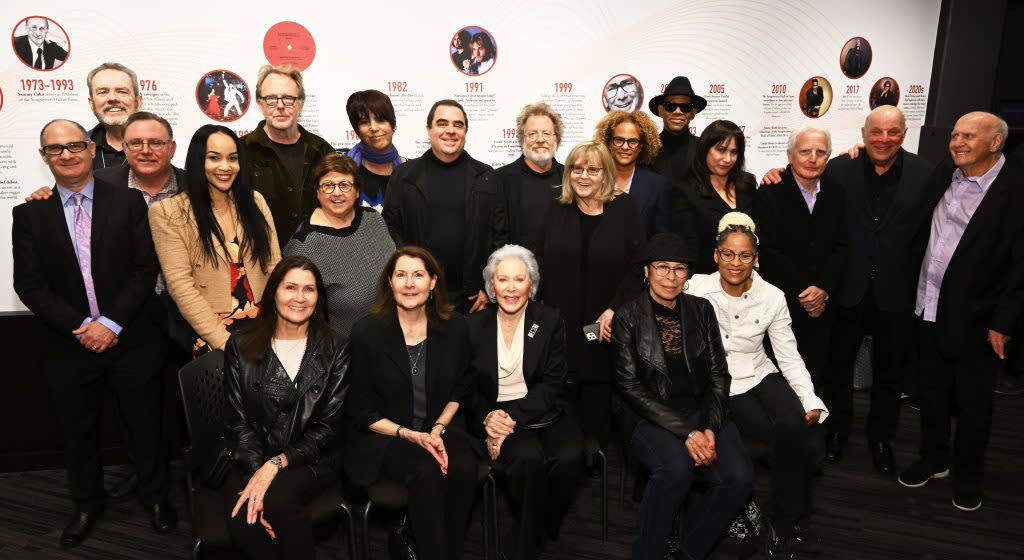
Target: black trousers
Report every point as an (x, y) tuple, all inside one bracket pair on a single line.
[(892, 338), (542, 471), (439, 504), (813, 337), (78, 384), (772, 413), (969, 384), (283, 505)]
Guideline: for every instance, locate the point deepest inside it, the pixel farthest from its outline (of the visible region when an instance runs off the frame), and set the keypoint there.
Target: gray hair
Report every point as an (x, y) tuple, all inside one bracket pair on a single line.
[(1002, 128), (796, 134), (539, 109), (113, 66), (511, 252)]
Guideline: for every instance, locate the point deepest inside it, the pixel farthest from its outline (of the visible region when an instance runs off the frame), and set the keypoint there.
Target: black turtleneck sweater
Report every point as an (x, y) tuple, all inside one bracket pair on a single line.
[(676, 155), (446, 192), (529, 197)]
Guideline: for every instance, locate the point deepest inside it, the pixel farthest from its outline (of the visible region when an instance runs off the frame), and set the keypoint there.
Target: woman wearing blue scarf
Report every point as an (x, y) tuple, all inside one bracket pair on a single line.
[(373, 118)]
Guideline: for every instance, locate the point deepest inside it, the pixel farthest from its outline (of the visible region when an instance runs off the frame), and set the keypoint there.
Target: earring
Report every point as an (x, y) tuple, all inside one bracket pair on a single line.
[(686, 285), (431, 296)]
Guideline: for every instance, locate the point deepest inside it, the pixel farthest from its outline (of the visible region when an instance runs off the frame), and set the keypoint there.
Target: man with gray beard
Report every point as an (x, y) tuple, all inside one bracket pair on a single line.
[(534, 180), (113, 97)]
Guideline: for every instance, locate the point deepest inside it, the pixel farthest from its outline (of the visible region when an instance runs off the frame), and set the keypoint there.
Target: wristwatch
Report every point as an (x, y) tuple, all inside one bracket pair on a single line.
[(276, 459)]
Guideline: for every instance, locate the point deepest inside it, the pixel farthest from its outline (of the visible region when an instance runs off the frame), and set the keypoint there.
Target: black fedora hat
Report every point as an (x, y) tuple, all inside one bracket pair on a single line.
[(680, 85)]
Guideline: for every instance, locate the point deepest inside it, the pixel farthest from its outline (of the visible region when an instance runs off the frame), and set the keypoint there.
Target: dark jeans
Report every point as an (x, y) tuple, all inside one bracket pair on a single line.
[(438, 504), (283, 505), (772, 413), (664, 455), (892, 336), (542, 470), (969, 383), (78, 393)]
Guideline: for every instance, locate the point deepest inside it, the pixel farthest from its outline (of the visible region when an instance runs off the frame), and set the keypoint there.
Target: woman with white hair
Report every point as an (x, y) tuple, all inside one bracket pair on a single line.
[(772, 404), (518, 358)]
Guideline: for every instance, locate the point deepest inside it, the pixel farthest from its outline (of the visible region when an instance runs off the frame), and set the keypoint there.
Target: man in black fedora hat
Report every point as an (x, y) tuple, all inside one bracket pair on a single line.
[(676, 106)]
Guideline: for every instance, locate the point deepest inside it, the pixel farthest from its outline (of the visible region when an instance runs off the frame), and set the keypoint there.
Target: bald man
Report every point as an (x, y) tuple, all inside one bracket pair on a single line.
[(970, 294), (84, 264)]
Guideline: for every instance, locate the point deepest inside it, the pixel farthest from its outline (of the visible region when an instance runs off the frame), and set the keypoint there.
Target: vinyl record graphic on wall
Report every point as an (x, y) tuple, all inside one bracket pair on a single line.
[(288, 42)]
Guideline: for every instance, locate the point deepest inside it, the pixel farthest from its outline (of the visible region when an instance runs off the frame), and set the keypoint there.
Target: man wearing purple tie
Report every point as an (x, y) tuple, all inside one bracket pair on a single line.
[(84, 264)]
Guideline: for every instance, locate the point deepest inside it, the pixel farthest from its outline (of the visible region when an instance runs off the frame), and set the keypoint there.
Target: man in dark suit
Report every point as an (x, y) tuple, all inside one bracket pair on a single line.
[(883, 207), (84, 264), (970, 295), (801, 223), (813, 99), (33, 48)]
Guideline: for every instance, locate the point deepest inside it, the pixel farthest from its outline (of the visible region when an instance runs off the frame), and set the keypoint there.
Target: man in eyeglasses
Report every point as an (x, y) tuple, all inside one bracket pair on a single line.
[(534, 180), (84, 264), (113, 97), (281, 151), (677, 106), (35, 50)]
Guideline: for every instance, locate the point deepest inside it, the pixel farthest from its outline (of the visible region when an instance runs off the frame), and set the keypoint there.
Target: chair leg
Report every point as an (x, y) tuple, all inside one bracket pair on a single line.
[(604, 493), (351, 522), (195, 548), (489, 522), (366, 529)]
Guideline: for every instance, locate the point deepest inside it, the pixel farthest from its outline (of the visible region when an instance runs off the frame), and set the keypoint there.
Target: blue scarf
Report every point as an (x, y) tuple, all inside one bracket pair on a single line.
[(361, 151)]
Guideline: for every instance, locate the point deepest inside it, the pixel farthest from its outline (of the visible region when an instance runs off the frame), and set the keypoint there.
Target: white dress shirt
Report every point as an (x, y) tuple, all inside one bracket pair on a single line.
[(744, 320)]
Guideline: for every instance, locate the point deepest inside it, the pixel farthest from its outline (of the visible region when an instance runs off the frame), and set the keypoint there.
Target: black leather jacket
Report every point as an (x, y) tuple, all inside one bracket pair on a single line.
[(267, 414), (641, 376)]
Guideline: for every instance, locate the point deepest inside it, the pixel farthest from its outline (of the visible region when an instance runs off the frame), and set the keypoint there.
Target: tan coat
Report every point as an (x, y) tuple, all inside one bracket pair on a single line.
[(200, 290)]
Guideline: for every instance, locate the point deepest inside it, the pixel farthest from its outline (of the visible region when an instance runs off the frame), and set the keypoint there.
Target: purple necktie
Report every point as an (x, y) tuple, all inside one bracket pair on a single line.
[(83, 229)]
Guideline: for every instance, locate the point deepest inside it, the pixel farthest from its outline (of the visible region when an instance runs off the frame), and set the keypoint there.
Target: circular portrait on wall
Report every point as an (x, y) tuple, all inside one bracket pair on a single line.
[(622, 91), (223, 95), (815, 97), (41, 43), (855, 57), (473, 51), (885, 92)]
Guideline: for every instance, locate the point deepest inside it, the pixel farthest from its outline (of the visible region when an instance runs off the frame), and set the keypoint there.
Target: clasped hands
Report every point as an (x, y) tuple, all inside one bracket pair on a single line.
[(498, 424), (431, 442), (813, 301), (95, 336)]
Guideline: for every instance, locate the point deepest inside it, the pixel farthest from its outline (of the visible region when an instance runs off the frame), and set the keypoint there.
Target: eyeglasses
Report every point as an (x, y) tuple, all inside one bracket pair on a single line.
[(155, 145), (592, 171), (286, 100), (534, 135), (728, 256), (58, 149), (618, 141), (663, 270), (671, 107), (328, 187)]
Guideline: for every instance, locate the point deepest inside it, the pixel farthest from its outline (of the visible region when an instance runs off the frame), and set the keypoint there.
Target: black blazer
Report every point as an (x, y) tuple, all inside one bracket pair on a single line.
[(52, 52), (799, 248), (267, 414), (652, 194), (887, 243), (642, 380), (543, 365), (124, 267), (983, 287), (696, 212), (583, 286), (381, 385)]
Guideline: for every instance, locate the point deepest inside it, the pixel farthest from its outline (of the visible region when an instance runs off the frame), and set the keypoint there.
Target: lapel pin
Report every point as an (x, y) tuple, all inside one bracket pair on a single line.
[(533, 330)]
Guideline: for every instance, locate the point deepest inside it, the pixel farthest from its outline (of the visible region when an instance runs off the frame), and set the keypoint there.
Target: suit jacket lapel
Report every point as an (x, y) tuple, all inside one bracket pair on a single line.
[(994, 199), (100, 212), (649, 349), (693, 345), (311, 369), (437, 361), (55, 214), (531, 344), (394, 347)]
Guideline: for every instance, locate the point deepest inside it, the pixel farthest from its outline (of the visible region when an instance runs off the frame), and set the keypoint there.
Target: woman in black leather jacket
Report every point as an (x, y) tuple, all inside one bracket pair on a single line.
[(672, 386), (285, 381)]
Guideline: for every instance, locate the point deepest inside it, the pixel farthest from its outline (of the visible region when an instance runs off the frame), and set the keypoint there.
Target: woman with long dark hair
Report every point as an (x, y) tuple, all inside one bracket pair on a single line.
[(215, 239), (285, 382), (716, 184), (410, 377)]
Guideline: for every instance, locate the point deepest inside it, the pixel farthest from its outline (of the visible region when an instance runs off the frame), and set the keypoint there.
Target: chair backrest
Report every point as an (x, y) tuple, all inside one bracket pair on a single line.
[(202, 394)]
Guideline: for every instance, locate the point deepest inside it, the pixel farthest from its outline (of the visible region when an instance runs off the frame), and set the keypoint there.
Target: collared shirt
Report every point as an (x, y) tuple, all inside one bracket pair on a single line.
[(949, 221), (69, 218), (169, 189), (744, 321), (881, 189), (810, 197)]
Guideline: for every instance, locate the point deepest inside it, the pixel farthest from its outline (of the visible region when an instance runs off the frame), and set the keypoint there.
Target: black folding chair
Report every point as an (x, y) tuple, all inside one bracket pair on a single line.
[(202, 394)]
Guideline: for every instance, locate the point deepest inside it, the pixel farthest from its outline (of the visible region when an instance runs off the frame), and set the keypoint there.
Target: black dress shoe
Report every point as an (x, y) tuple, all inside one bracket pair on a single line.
[(124, 487), (881, 457), (805, 540), (834, 444), (78, 528), (162, 517)]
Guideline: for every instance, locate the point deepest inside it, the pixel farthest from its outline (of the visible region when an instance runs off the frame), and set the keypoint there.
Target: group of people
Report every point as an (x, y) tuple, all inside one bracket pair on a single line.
[(407, 319)]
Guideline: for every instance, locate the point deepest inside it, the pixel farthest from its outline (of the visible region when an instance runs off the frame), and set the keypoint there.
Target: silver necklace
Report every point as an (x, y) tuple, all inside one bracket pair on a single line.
[(415, 361)]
